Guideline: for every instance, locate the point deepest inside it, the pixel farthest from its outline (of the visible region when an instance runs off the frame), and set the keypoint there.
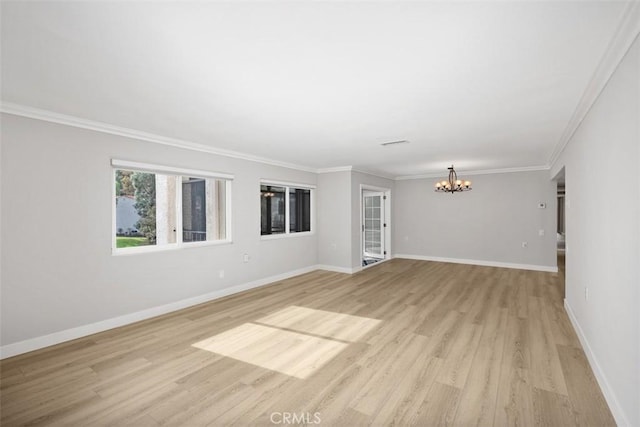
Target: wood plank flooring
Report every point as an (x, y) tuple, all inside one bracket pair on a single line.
[(402, 343)]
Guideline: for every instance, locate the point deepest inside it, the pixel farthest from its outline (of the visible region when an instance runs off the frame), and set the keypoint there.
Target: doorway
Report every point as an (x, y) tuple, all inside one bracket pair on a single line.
[(374, 225), (561, 234)]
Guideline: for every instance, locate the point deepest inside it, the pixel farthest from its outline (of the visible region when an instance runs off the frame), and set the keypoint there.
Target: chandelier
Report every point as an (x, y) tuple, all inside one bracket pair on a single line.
[(453, 184)]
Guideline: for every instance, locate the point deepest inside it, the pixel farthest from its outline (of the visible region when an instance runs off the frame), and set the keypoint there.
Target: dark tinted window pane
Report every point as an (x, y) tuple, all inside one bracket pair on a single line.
[(299, 210), (203, 209), (272, 209), (194, 210)]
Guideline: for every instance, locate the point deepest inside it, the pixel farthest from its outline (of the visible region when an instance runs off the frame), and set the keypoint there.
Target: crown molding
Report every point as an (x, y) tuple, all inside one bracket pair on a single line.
[(476, 172), (352, 169), (336, 169), (626, 33), (374, 174), (49, 116)]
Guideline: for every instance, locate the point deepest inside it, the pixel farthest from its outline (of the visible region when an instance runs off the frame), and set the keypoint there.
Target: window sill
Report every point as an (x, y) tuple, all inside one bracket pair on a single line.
[(285, 235), (164, 248)]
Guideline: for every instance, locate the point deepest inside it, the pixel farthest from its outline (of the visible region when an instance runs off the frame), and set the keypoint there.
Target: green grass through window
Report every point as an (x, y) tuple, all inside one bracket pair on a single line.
[(127, 242)]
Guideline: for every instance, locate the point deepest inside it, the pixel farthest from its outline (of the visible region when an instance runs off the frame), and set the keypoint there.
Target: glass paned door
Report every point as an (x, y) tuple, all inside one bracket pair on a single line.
[(373, 224)]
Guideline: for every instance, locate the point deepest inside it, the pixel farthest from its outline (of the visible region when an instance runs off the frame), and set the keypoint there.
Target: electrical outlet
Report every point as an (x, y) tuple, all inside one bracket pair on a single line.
[(525, 244), (245, 258), (541, 232)]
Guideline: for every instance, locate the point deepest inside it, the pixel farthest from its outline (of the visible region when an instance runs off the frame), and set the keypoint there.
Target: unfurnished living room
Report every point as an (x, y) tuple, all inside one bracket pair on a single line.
[(334, 213)]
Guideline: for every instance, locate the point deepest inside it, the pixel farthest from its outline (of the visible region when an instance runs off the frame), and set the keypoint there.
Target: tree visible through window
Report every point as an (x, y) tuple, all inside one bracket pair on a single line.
[(161, 209), (135, 208)]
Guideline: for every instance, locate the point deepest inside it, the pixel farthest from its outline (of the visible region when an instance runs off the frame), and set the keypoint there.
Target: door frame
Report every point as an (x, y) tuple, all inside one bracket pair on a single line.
[(382, 196), (561, 176), (387, 220)]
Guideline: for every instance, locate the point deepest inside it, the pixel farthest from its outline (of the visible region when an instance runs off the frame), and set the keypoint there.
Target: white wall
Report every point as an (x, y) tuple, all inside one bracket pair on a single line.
[(339, 218), (334, 220), (58, 272), (487, 224), (602, 174)]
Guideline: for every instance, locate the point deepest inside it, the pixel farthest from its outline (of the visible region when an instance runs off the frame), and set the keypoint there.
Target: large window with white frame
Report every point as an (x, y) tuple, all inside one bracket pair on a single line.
[(159, 207), (285, 208)]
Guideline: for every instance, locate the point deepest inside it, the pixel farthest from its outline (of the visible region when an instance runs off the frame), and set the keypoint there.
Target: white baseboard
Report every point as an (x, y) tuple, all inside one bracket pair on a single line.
[(336, 269), (607, 391), (547, 268), (93, 328), (37, 343)]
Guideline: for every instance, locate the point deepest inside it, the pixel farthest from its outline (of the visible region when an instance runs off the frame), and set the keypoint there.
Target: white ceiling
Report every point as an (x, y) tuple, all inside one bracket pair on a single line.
[(483, 85)]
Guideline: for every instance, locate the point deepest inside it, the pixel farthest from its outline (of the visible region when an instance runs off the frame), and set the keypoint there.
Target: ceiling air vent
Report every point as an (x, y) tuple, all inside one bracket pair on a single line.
[(403, 141)]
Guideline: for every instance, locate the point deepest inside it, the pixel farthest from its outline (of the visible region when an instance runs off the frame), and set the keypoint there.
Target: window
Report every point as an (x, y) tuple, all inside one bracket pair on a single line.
[(156, 206), (299, 210), (273, 210), (284, 209)]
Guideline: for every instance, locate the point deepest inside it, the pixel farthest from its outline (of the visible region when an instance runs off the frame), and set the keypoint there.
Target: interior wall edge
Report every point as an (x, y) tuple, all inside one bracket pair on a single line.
[(628, 31)]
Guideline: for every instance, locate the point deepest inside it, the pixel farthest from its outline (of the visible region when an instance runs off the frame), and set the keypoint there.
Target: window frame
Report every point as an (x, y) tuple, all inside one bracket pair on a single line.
[(288, 186), (117, 164)]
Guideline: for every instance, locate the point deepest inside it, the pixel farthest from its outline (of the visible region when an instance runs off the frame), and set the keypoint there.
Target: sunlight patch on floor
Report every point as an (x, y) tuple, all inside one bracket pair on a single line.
[(287, 352), (295, 341), (328, 324)]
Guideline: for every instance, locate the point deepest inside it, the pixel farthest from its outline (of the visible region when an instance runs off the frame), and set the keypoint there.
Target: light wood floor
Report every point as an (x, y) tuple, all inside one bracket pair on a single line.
[(435, 344)]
